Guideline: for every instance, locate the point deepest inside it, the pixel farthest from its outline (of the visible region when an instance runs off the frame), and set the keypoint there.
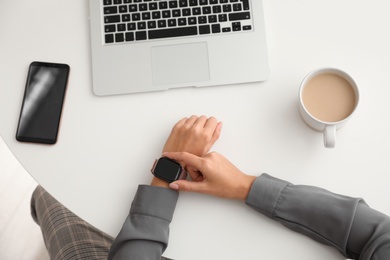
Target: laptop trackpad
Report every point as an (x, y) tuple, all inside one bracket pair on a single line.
[(180, 63)]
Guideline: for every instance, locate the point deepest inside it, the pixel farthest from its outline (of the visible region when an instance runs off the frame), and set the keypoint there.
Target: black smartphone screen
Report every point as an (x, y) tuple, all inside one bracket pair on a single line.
[(42, 103)]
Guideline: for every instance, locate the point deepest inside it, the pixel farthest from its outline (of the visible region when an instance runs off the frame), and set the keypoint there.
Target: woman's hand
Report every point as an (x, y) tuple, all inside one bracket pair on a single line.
[(212, 174), (195, 135)]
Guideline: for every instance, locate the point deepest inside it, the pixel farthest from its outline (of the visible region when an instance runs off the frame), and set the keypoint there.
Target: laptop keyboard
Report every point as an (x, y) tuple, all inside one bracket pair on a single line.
[(140, 20)]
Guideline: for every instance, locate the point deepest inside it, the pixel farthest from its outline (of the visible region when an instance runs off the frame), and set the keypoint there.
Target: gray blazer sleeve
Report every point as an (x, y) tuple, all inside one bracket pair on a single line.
[(346, 223), (144, 234)]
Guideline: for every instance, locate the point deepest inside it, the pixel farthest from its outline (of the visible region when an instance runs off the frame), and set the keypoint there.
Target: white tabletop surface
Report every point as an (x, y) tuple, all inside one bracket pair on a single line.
[(107, 145)]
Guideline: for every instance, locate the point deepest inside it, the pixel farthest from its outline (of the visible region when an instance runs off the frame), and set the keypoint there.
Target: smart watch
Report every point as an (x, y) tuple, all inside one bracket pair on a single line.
[(168, 170)]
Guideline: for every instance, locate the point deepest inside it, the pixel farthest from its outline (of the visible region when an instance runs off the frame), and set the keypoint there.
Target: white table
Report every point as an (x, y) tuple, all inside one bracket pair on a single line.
[(107, 145)]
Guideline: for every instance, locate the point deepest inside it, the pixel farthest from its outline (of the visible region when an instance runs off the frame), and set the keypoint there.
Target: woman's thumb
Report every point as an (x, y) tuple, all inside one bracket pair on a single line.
[(183, 185)]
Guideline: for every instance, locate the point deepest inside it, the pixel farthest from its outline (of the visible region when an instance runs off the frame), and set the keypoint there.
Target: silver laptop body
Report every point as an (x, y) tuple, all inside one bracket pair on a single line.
[(137, 49)]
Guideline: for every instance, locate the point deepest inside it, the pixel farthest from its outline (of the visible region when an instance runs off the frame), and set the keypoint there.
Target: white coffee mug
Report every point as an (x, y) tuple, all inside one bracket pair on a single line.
[(328, 97)]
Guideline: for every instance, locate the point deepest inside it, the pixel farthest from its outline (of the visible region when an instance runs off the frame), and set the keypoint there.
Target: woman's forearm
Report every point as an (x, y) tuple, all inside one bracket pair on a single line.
[(345, 223)]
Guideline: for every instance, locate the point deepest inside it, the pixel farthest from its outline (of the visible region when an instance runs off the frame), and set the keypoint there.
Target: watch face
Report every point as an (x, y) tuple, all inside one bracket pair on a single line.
[(167, 169)]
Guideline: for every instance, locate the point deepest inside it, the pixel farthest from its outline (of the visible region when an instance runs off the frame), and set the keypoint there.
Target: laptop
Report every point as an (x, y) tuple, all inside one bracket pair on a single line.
[(153, 45)]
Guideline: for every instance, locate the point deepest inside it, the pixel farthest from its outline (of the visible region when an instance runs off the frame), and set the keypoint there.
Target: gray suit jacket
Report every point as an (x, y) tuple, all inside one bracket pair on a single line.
[(345, 223)]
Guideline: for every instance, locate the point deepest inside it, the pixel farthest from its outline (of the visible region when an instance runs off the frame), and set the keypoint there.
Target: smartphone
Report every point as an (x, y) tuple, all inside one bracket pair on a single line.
[(43, 100)]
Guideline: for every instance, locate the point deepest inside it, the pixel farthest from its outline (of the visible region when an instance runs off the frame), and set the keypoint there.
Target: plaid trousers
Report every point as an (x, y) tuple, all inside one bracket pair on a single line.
[(66, 236)]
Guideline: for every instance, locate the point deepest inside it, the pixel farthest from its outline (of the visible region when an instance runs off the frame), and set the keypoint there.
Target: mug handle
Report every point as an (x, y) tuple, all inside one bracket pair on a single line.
[(330, 136)]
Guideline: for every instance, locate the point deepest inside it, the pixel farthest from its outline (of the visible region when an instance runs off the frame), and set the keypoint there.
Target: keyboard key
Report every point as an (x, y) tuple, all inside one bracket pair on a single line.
[(196, 11), (110, 10), (222, 18), (143, 7), (156, 15), (204, 29), (140, 35), (110, 28), (112, 19), (123, 9), (146, 16), (236, 26), (183, 3), (161, 24), (152, 24), (129, 36), (133, 8), (131, 26), (107, 2), (136, 17), (193, 2), (202, 19), (166, 14), (125, 17), (247, 27), (245, 5), (121, 27), (191, 20), (239, 16), (153, 6), (212, 18), (173, 32), (176, 13), (206, 10), (109, 38), (182, 21), (163, 5), (216, 28), (227, 8), (171, 22), (217, 9), (173, 4), (141, 25), (119, 37), (186, 12), (237, 8), (226, 29)]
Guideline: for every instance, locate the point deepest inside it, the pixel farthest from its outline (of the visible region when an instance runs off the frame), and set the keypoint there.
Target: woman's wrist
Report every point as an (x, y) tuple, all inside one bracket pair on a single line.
[(245, 186), (159, 183)]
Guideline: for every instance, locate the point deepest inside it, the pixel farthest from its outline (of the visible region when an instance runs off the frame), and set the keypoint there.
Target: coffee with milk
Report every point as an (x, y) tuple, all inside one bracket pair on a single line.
[(329, 97)]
